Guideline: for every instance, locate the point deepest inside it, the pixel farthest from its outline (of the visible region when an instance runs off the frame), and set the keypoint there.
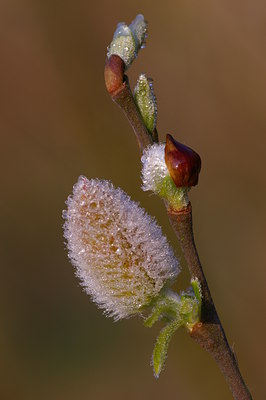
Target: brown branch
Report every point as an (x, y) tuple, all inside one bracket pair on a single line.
[(118, 87), (209, 332)]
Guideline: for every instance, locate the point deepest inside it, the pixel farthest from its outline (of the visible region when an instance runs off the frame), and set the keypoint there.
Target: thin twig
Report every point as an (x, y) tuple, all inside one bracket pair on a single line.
[(118, 87), (208, 332), (125, 101)]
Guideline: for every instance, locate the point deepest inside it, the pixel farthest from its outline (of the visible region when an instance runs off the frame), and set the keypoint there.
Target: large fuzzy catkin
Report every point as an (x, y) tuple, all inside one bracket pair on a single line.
[(120, 254)]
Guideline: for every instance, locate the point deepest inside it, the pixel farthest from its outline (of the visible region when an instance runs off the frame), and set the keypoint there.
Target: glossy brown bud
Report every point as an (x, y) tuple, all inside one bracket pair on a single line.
[(114, 73), (182, 162)]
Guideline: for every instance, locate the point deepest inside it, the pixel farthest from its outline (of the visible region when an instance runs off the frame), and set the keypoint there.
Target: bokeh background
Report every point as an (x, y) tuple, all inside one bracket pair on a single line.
[(208, 62)]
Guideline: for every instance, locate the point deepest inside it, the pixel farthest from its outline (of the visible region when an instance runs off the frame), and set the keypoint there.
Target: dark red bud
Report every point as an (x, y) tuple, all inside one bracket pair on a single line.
[(114, 73), (182, 162)]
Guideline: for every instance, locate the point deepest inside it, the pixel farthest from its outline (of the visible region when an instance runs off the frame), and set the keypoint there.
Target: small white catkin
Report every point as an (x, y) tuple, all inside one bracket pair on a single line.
[(128, 40), (120, 254), (154, 169), (156, 177)]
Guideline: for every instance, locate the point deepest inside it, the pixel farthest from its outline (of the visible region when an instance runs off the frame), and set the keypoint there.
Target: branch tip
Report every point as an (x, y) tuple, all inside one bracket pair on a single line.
[(114, 74), (183, 163)]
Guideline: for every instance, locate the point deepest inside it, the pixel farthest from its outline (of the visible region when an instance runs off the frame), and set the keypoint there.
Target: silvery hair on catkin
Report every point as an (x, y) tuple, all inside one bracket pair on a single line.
[(119, 252)]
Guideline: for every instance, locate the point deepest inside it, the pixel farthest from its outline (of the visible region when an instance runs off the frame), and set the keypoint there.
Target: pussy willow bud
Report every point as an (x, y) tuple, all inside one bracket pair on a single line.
[(128, 40), (146, 102), (183, 163), (156, 177), (114, 74), (120, 254)]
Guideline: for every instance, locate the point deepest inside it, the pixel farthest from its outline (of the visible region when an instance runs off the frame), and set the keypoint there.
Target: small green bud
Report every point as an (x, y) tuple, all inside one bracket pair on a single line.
[(146, 102), (197, 290), (190, 304), (128, 40), (189, 311)]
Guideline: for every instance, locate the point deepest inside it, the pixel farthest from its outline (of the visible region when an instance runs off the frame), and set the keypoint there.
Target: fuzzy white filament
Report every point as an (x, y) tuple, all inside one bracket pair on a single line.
[(156, 177), (128, 40), (154, 169), (119, 252)]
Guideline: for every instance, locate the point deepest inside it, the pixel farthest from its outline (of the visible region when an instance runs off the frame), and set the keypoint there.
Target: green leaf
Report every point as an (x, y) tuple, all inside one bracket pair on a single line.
[(178, 311), (155, 315), (197, 290), (161, 346), (166, 305)]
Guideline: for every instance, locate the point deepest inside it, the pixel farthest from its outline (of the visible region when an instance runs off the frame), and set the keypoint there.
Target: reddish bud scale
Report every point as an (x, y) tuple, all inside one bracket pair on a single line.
[(183, 163), (114, 74)]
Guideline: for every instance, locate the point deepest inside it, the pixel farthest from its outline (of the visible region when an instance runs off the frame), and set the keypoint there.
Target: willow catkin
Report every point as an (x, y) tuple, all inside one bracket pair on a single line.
[(120, 254)]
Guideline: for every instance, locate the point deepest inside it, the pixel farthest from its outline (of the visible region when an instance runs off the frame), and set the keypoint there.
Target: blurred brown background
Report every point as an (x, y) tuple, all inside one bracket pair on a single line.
[(208, 60)]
